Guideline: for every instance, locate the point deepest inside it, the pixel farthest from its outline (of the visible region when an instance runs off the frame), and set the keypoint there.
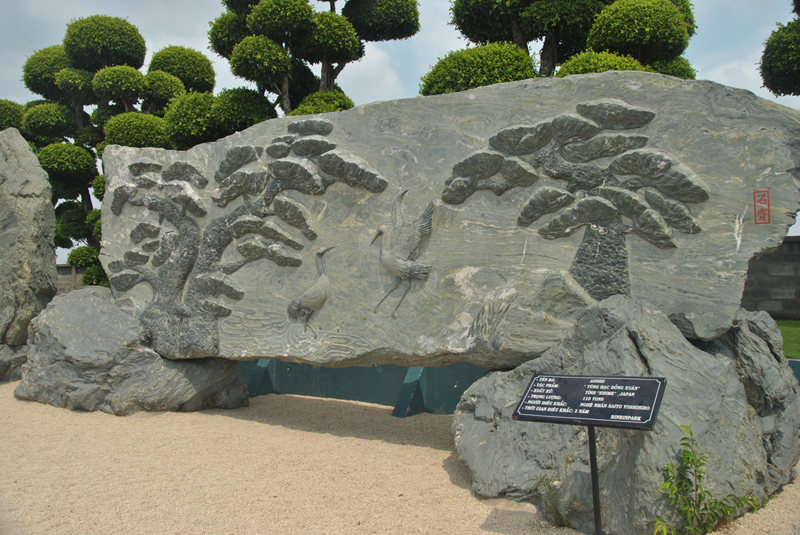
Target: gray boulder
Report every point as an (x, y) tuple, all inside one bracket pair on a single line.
[(27, 227), (738, 393), (647, 194), (11, 360), (85, 353)]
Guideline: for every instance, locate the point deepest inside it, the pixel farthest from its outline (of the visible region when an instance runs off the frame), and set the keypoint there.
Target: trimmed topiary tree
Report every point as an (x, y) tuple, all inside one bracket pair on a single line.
[(189, 120), (478, 66), (383, 20), (39, 71), (136, 129), (191, 67), (323, 102), (590, 62), (100, 41), (11, 114), (159, 88), (647, 30), (49, 120), (780, 61), (70, 169), (234, 110), (121, 84)]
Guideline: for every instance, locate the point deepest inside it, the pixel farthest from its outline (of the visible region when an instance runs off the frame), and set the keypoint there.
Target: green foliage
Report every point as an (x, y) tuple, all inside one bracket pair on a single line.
[(50, 121), (260, 60), (189, 120), (483, 21), (82, 257), (191, 67), (99, 187), (159, 88), (685, 7), (678, 67), (99, 150), (11, 114), (71, 225), (570, 21), (240, 7), (796, 7), (589, 62), (93, 222), (323, 102), (334, 39), (648, 30), (99, 41), (39, 71), (101, 115), (89, 136), (790, 330), (545, 491), (780, 62), (226, 31), (122, 84), (303, 81), (699, 511), (383, 20), (135, 129), (77, 85), (69, 167), (236, 109), (286, 22), (475, 67), (95, 275)]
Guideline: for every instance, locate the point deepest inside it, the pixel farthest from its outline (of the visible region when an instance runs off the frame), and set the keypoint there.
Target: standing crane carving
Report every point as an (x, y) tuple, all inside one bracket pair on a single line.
[(301, 307), (399, 248)]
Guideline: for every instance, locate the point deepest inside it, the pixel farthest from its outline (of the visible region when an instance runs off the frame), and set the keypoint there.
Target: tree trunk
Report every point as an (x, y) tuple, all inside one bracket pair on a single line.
[(325, 78), (286, 102), (549, 55), (601, 263), (333, 5), (86, 202), (517, 35), (77, 107)]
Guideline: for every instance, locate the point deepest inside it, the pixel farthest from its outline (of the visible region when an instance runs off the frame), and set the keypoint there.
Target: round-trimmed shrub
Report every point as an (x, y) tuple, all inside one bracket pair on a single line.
[(226, 32), (76, 84), (283, 21), (383, 20), (474, 67), (333, 38), (11, 114), (647, 30), (191, 67), (159, 88), (236, 109), (189, 121), (68, 165), (95, 276), (589, 62), (780, 62), (99, 187), (71, 225), (136, 129), (84, 256), (99, 41), (93, 221), (241, 7), (678, 67), (323, 102), (122, 84), (260, 60), (39, 71), (50, 120)]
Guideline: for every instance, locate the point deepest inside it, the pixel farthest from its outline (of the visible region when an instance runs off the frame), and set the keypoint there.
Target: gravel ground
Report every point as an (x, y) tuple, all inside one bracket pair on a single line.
[(285, 465)]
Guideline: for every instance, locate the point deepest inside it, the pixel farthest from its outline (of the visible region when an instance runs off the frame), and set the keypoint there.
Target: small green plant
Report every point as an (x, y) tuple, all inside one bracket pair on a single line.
[(544, 489), (700, 511)]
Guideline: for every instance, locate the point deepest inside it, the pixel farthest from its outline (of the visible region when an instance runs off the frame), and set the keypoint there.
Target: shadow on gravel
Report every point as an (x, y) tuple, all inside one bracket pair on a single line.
[(345, 419)]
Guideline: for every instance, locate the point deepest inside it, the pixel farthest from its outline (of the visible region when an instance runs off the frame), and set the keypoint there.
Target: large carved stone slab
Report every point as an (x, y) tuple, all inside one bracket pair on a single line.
[(470, 227), (27, 226)]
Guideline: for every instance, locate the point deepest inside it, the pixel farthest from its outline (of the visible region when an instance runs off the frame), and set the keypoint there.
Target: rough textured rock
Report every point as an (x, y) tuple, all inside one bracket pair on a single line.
[(738, 393), (649, 194), (11, 360), (85, 353), (27, 228)]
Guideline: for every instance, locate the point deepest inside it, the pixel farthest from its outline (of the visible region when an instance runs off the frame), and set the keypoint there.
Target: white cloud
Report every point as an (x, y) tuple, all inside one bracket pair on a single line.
[(373, 78)]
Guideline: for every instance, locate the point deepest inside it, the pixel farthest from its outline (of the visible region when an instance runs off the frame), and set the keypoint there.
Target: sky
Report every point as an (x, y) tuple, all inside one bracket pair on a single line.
[(726, 49)]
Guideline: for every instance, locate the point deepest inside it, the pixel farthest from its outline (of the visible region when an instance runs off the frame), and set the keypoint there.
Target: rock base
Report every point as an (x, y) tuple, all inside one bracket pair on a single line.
[(85, 353), (738, 393), (11, 360)]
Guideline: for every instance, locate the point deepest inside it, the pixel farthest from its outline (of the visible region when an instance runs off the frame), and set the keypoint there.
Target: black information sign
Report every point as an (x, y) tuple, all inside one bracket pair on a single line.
[(590, 400)]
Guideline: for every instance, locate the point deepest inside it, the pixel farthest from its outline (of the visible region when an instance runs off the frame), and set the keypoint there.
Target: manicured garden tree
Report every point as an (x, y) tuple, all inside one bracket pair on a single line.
[(268, 42), (477, 66), (591, 170), (323, 102), (189, 121), (780, 61), (563, 26), (39, 71), (134, 129), (71, 225), (191, 67), (121, 84), (159, 88), (236, 109), (654, 32), (11, 114), (589, 62), (100, 41), (88, 257)]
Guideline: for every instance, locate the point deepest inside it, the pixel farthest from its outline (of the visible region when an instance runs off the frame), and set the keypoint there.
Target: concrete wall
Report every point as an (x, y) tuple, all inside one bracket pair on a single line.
[(773, 281), (69, 278)]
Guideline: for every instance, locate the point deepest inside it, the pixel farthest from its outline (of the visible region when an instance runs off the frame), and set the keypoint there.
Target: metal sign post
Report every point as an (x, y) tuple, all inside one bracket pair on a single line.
[(623, 402)]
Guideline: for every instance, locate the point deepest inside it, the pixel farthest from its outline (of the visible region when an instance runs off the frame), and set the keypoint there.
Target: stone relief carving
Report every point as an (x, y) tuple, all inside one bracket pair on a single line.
[(311, 300), (400, 247), (638, 190), (184, 265)]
